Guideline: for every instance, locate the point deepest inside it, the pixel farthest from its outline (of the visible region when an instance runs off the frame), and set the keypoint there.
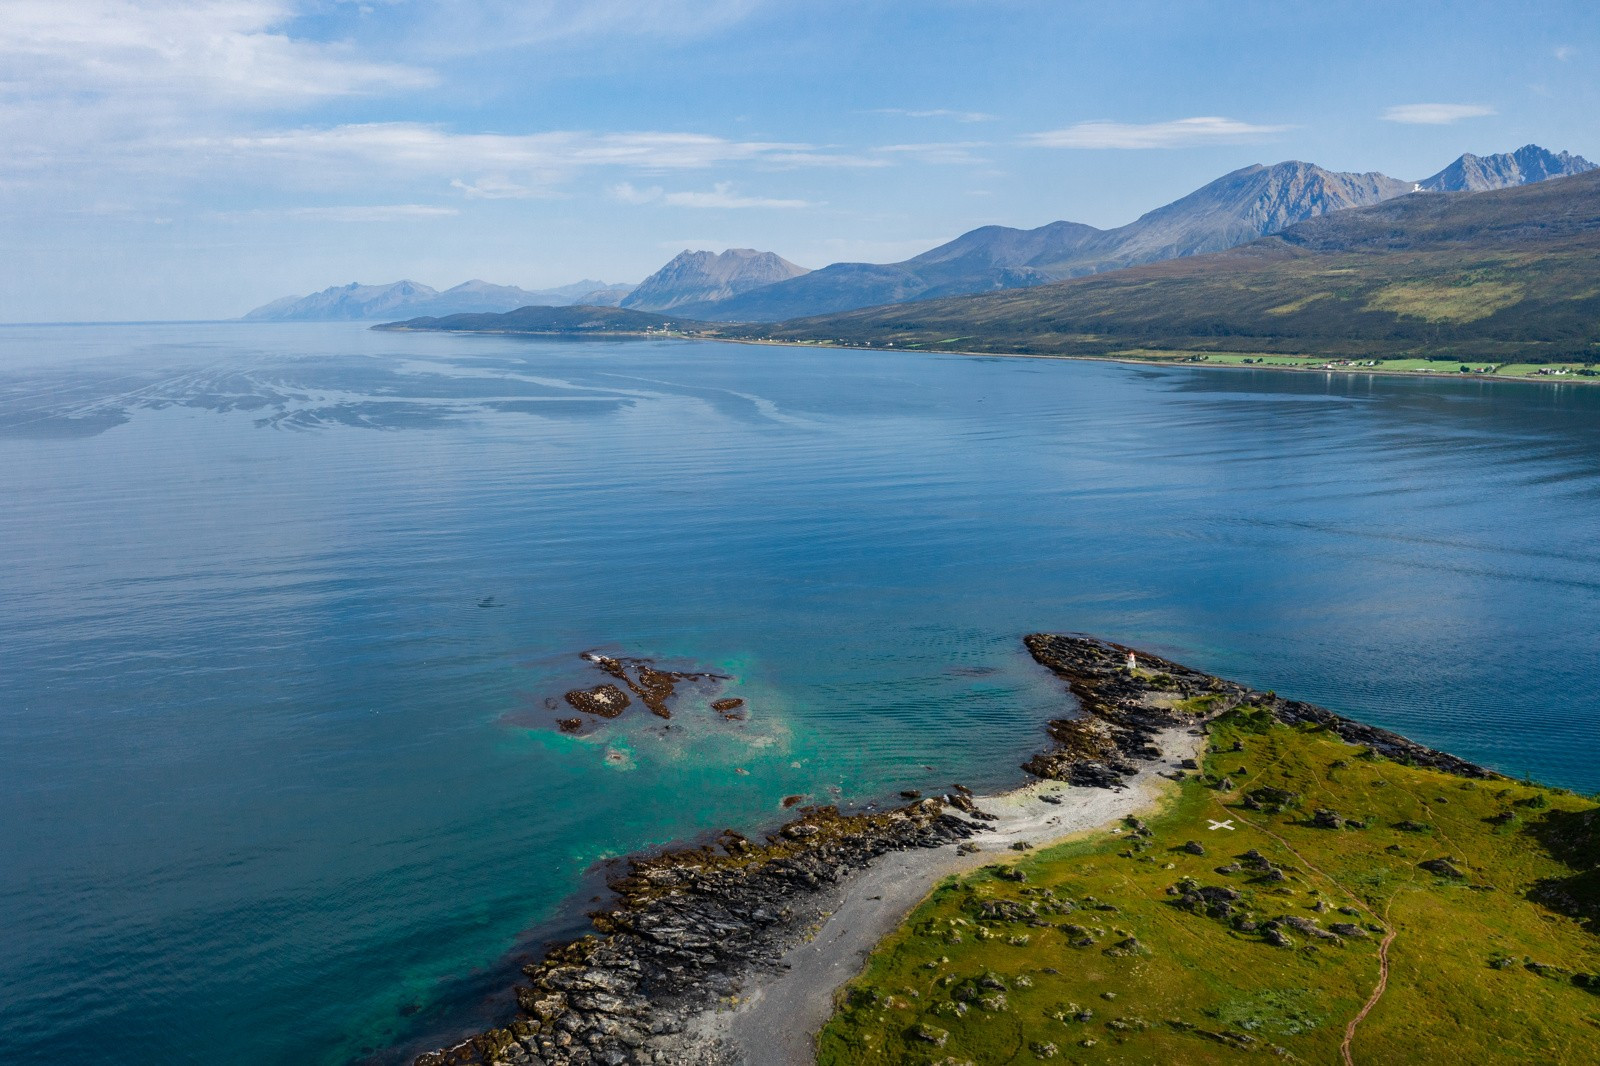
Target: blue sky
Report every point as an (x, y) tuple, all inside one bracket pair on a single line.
[(191, 159)]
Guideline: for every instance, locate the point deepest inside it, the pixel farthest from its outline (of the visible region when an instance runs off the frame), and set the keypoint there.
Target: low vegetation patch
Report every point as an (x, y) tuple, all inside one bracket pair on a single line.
[(1171, 940)]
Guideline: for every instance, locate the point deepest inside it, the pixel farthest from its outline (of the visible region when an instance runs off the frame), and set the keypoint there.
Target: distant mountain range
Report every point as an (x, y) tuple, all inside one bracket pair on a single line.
[(1507, 274), (745, 285), (358, 303), (696, 278), (1234, 209)]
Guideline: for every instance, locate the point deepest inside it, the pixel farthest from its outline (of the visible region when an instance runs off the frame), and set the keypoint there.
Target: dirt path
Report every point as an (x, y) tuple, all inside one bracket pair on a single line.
[(1377, 992), (1383, 945)]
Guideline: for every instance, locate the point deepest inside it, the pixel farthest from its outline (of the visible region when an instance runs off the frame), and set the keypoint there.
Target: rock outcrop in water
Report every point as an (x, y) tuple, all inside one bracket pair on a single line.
[(655, 688)]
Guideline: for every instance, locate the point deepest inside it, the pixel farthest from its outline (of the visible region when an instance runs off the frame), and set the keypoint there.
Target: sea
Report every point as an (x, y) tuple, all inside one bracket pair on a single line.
[(287, 612)]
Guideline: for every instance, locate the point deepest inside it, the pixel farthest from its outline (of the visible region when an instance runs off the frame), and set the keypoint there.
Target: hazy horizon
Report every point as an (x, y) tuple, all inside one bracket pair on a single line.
[(192, 161)]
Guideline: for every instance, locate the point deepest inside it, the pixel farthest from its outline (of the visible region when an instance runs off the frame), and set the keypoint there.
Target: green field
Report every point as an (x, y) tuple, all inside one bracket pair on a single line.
[(1575, 372), (1127, 947)]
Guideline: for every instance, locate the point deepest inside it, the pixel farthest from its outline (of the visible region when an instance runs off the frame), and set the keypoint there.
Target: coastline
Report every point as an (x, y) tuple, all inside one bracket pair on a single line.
[(731, 955), (1180, 358), (774, 1022), (1178, 361)]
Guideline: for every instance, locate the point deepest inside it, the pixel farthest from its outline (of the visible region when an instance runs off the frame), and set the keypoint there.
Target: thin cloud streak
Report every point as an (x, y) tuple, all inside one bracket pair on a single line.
[(937, 112), (349, 213), (1178, 133), (1435, 114), (429, 147), (720, 196), (954, 152)]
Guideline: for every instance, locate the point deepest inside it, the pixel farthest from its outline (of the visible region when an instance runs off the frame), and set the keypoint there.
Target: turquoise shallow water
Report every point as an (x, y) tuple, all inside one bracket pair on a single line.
[(274, 787)]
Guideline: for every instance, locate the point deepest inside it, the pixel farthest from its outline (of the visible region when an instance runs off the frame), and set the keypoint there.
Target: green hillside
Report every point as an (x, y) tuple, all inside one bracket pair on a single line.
[(1431, 918), (1511, 275)]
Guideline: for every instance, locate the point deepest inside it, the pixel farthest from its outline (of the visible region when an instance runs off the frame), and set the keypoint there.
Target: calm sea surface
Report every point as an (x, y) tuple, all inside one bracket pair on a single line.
[(280, 608)]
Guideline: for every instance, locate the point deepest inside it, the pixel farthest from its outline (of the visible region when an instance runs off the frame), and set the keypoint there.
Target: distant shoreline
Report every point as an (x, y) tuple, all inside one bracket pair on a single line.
[(1178, 359)]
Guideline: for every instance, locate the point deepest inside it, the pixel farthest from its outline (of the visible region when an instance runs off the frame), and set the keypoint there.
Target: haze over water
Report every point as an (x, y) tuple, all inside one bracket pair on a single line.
[(281, 606)]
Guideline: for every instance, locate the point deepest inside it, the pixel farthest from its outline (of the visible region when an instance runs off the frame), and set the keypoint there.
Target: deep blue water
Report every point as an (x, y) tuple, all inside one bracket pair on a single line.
[(270, 776)]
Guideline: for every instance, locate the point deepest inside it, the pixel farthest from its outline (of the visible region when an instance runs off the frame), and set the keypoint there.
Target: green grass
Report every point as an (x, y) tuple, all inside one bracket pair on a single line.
[(1196, 989), (1461, 300), (1356, 363)]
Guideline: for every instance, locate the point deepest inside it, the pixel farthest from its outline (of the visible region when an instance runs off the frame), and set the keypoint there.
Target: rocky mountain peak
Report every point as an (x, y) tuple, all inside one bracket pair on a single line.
[(692, 277), (1530, 163)]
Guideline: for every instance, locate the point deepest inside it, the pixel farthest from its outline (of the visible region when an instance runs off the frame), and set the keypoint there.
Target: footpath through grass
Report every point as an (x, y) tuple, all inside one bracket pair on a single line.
[(1175, 942)]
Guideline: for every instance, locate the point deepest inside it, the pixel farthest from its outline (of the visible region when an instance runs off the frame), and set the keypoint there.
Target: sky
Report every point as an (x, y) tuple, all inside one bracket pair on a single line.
[(192, 159)]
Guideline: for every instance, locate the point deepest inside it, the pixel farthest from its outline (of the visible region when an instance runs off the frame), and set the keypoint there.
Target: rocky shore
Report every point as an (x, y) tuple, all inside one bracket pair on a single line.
[(1122, 708), (685, 925), (706, 953)]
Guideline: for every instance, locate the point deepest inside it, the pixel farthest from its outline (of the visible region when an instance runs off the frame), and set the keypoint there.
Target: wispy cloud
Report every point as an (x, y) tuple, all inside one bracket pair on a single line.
[(1434, 114), (720, 196), (957, 152), (373, 213), (1178, 133), (494, 188), (937, 112), (420, 147), (205, 52), (1564, 52), (348, 213), (486, 25)]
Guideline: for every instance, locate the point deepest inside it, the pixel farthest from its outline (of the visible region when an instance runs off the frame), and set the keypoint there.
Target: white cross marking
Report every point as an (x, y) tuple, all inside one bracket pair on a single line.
[(1228, 824)]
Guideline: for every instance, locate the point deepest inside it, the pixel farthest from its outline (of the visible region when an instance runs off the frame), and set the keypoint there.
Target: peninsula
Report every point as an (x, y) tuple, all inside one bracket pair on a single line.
[(1198, 871)]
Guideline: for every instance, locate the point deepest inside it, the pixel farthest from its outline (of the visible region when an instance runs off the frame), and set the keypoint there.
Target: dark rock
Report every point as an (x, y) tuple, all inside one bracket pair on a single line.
[(1443, 867), (605, 701), (1194, 847), (1271, 799), (1126, 947), (1326, 819)]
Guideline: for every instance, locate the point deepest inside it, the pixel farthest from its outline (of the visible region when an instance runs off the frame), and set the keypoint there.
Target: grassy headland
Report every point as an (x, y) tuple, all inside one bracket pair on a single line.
[(1463, 912)]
